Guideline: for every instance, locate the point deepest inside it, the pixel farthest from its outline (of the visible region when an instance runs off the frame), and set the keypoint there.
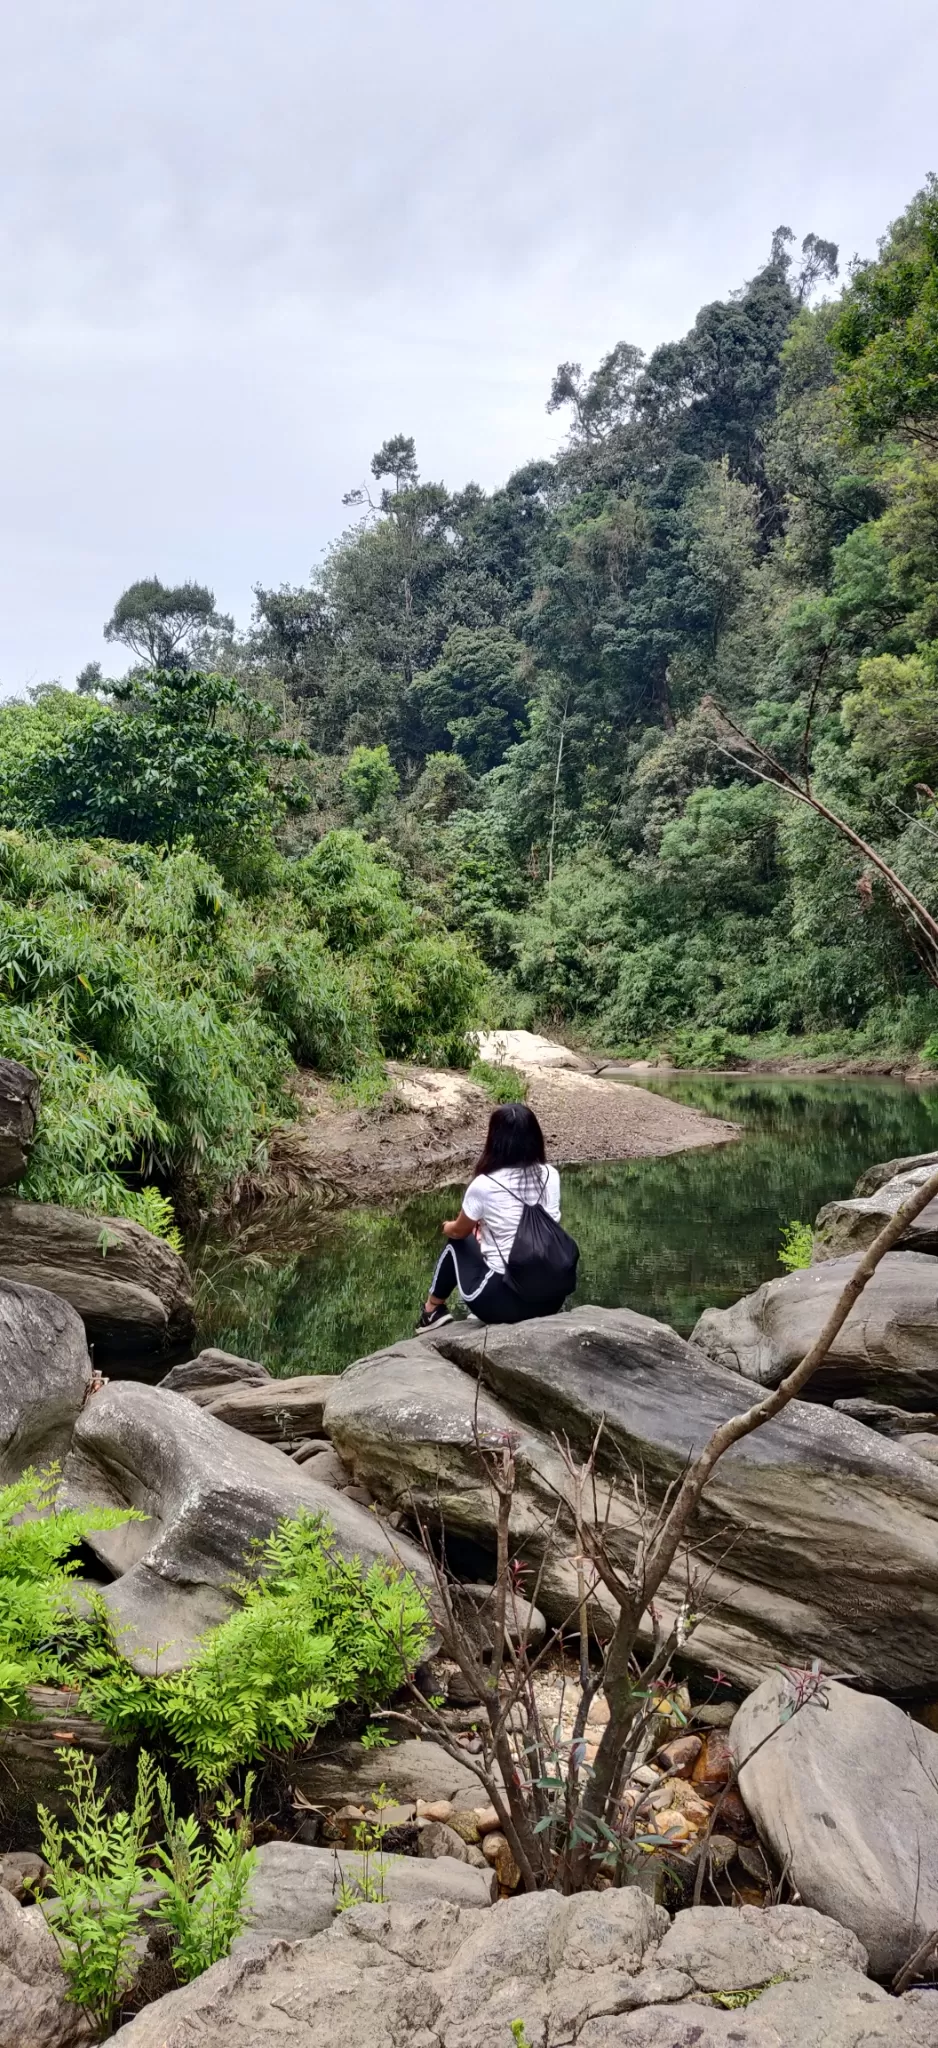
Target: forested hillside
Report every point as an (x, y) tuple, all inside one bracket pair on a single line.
[(472, 767)]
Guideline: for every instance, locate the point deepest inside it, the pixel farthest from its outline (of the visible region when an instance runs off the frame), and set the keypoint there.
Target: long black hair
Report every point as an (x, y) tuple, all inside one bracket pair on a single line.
[(514, 1138)]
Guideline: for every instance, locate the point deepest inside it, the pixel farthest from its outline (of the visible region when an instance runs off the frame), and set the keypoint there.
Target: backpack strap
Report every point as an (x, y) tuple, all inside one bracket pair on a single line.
[(519, 1198)]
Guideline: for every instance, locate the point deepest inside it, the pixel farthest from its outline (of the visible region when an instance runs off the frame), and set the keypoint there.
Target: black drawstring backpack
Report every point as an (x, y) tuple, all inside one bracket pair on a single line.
[(542, 1263)]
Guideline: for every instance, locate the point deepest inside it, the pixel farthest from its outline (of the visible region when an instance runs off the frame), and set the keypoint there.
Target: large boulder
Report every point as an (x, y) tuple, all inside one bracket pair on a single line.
[(409, 1424), (19, 1108), (846, 1793), (588, 1970), (887, 1350), (45, 1374), (132, 1292), (817, 1537), (844, 1227), (206, 1493)]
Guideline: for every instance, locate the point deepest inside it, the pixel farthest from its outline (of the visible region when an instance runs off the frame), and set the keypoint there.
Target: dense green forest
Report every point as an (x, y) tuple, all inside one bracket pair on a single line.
[(471, 770)]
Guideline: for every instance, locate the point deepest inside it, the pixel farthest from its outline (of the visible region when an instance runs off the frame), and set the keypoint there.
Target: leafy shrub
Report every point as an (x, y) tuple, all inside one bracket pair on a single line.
[(706, 1047), (163, 1013), (796, 1246), (314, 1630), (503, 1084)]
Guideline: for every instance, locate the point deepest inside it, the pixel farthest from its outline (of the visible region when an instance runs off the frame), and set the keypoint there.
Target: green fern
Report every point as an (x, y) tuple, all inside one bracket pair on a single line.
[(203, 1886), (97, 1868), (314, 1629), (37, 1607)]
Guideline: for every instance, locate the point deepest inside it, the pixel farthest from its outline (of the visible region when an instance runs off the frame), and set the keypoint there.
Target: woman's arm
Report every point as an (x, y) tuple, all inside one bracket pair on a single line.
[(460, 1226)]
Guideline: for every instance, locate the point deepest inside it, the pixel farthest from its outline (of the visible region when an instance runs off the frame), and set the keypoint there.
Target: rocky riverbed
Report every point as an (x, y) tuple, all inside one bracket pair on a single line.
[(788, 1770)]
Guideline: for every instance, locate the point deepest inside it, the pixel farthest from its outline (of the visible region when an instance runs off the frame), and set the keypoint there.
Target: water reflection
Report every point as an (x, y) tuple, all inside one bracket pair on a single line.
[(666, 1236)]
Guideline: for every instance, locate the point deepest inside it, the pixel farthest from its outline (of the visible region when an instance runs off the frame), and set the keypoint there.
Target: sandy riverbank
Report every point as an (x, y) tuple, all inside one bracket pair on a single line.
[(429, 1128)]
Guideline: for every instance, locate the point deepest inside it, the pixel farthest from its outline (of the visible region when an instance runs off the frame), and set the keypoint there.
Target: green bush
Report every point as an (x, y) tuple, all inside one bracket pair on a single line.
[(502, 1084), (796, 1247), (163, 1012)]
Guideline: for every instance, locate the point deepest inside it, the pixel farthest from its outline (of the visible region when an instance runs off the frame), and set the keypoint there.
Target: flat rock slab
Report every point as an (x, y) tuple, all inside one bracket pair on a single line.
[(278, 1411), (820, 1537), (132, 1292), (207, 1493), (45, 1374), (349, 1774), (19, 1108), (887, 1350), (525, 1049), (847, 1797), (295, 1891)]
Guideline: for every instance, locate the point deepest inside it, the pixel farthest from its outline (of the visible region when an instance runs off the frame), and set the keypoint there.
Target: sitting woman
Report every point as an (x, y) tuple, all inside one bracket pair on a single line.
[(511, 1177)]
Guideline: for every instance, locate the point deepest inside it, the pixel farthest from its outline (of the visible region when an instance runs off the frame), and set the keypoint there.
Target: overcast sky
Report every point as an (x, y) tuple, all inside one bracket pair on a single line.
[(245, 240)]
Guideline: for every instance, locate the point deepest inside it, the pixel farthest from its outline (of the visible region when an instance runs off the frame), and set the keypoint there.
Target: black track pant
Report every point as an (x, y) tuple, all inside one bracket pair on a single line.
[(489, 1294)]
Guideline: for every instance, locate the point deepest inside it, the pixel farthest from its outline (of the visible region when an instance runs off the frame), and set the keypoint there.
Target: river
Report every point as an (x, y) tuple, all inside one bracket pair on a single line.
[(667, 1236)]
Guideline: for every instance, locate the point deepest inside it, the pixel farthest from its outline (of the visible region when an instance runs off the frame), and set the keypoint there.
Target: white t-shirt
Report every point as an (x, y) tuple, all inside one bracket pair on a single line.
[(492, 1201)]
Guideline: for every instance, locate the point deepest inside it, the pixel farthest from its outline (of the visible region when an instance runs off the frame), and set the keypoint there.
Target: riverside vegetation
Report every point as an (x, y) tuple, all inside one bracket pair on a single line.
[(469, 771)]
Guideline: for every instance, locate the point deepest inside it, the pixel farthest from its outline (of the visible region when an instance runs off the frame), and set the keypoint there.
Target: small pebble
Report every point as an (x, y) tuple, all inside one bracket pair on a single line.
[(678, 1758)]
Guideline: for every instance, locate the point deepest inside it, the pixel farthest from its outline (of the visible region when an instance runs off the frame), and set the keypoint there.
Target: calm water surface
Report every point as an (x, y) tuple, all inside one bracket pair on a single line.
[(669, 1237)]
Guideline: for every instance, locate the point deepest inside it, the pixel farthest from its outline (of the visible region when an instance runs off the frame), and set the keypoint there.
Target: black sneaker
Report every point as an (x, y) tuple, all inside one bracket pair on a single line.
[(432, 1319)]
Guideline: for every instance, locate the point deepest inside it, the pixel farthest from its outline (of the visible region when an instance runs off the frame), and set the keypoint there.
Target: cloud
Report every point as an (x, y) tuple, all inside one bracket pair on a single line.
[(245, 243)]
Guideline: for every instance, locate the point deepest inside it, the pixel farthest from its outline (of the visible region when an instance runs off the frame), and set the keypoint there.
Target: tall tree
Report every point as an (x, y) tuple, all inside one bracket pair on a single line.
[(158, 622)]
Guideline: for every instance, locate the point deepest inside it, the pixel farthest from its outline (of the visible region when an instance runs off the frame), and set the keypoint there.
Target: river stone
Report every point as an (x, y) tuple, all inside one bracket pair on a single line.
[(133, 1293), (833, 1551), (294, 1891), (847, 1797), (204, 1377), (844, 1227), (207, 1493), (34, 2010), (923, 1444), (19, 1108), (45, 1374), (840, 2010), (279, 1411), (876, 1176), (348, 1774), (682, 2027), (887, 1350)]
